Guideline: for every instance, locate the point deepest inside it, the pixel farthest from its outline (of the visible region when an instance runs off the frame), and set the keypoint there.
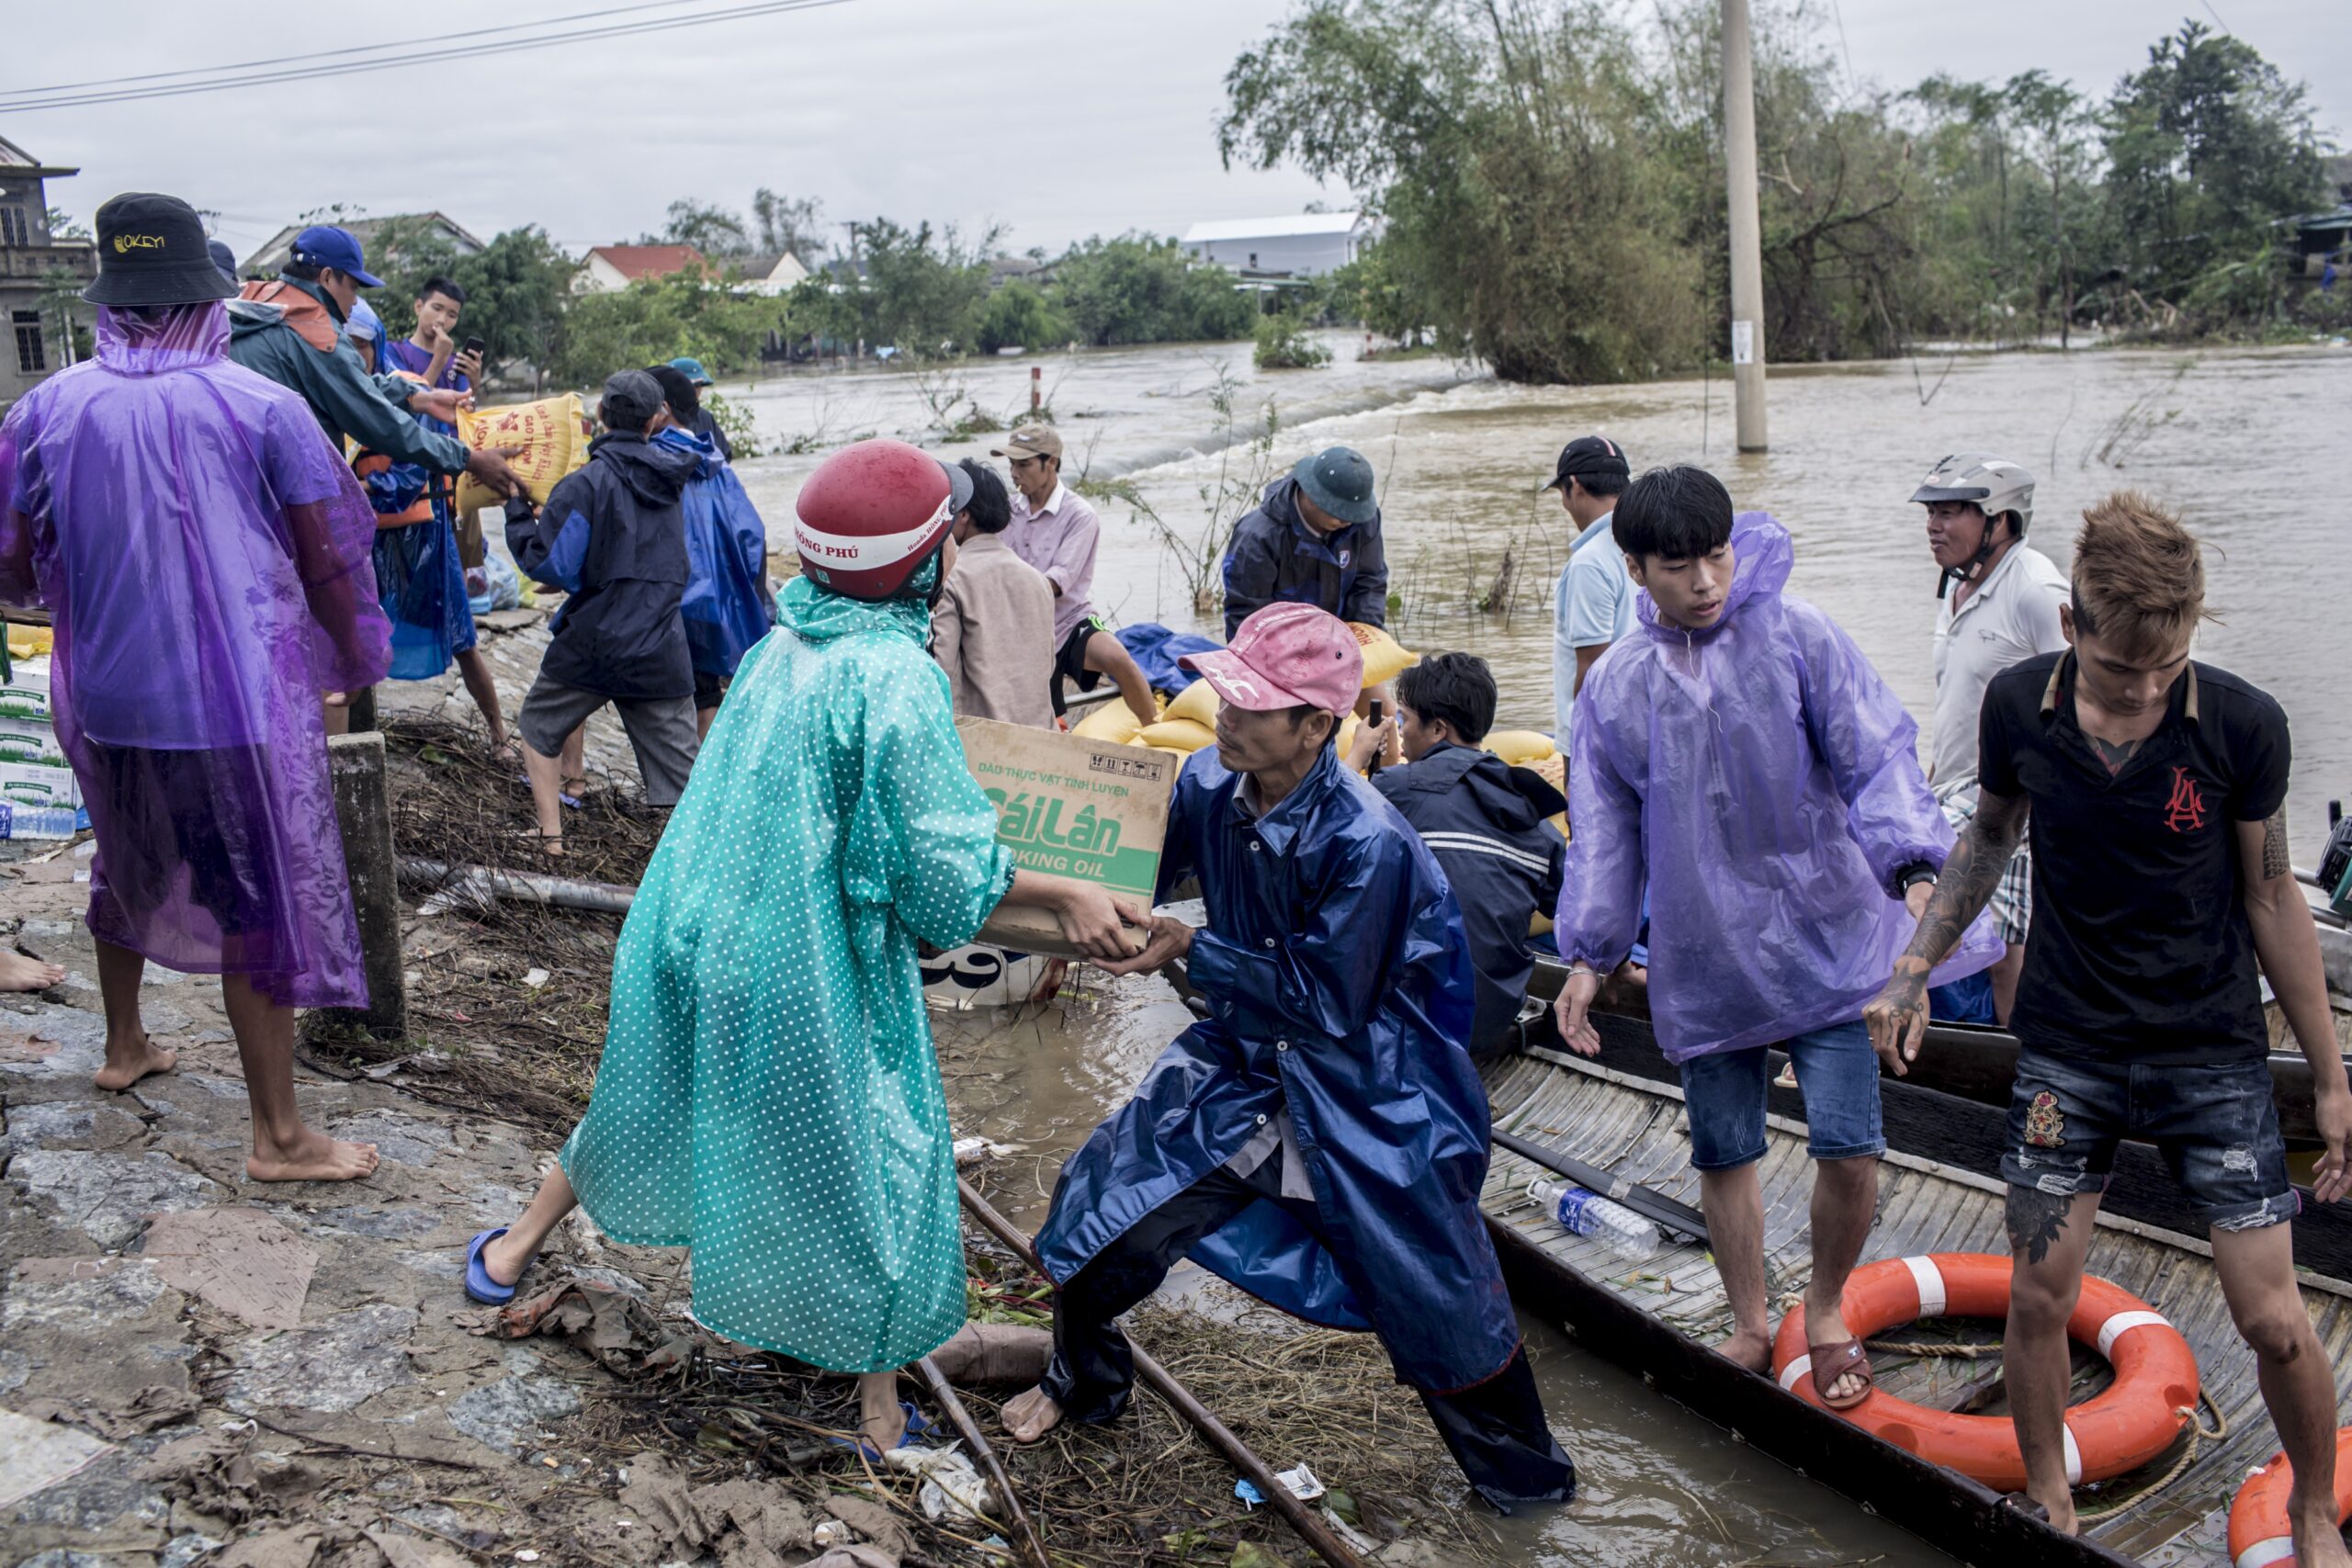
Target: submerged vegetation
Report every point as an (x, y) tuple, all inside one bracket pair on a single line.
[(1551, 180)]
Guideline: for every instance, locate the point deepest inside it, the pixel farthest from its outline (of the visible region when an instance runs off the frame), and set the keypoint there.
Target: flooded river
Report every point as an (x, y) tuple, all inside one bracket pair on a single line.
[(2240, 440)]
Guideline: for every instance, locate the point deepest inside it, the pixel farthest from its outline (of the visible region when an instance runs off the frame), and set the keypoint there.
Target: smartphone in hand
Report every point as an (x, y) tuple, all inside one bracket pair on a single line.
[(1375, 716)]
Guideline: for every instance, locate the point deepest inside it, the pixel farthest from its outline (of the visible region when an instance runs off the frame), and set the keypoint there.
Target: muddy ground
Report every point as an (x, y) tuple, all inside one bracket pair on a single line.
[(195, 1367)]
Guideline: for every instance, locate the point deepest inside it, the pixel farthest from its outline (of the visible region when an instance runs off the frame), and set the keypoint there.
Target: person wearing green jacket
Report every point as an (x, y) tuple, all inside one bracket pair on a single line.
[(768, 1096), (291, 330)]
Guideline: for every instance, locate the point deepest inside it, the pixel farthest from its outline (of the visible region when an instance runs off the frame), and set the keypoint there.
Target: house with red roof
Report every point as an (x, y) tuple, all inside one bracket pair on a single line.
[(610, 268)]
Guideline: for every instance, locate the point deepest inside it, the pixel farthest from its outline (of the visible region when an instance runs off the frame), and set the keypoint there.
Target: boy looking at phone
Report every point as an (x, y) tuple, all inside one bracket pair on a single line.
[(420, 568)]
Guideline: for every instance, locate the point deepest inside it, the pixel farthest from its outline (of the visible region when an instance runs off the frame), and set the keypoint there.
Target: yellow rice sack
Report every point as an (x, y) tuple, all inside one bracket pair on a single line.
[(1384, 658), (1519, 748), (1177, 734), (552, 433), (1113, 723), (1197, 702)]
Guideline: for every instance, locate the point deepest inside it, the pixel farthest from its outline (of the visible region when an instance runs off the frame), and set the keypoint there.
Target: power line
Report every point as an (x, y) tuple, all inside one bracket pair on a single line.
[(332, 53), (415, 57)]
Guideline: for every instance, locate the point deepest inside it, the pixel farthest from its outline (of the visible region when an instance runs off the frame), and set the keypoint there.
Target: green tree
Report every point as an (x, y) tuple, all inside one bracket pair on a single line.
[(1505, 146), (2207, 145), (1017, 315), (1144, 289), (921, 289), (712, 230), (655, 318), (790, 224)]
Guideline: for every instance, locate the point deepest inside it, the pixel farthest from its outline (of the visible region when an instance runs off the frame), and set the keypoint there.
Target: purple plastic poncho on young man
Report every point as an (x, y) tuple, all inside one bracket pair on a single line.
[(1766, 781), (205, 554)]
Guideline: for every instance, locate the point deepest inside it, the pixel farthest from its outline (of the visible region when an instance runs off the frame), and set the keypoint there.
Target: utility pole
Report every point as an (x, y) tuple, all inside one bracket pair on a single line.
[(1747, 230)]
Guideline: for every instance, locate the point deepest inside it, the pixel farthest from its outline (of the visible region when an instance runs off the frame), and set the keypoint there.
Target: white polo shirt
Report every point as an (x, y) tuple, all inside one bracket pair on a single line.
[(2010, 618)]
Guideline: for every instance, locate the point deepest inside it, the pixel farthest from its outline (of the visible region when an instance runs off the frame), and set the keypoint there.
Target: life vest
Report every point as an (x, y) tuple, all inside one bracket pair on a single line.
[(401, 494), (300, 309)]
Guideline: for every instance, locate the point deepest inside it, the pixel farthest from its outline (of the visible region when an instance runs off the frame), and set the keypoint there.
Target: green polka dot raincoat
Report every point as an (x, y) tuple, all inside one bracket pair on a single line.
[(768, 1096)]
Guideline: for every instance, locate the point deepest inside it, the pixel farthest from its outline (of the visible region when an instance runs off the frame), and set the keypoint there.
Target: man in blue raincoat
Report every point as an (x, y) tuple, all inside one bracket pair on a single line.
[(728, 605), (1738, 759), (1320, 1138)]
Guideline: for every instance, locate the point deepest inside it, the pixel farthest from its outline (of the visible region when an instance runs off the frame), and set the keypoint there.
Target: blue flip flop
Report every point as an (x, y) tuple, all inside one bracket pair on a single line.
[(479, 1284), (916, 1427)]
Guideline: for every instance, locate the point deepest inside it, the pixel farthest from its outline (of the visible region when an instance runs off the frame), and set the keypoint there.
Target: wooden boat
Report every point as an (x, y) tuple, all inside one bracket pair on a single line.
[(1979, 1065), (1940, 1191)]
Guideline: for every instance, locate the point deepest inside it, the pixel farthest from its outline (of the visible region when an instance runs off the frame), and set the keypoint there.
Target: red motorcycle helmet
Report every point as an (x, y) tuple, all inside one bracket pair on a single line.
[(870, 516)]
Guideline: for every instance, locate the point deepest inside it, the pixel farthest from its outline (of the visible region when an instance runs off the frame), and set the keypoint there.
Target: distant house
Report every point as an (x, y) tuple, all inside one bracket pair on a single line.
[(608, 269), (380, 238), (2324, 240), (1301, 244), (37, 343), (774, 272)]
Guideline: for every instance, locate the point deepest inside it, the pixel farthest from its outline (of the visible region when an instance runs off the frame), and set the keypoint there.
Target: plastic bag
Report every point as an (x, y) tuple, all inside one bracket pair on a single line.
[(552, 433)]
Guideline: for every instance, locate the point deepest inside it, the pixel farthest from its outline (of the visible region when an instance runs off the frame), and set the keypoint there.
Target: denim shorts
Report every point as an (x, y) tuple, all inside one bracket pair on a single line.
[(2216, 1126), (1837, 1073)]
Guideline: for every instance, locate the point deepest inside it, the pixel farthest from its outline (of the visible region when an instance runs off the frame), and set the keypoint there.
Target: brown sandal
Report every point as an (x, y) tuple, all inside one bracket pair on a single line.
[(1839, 1358)]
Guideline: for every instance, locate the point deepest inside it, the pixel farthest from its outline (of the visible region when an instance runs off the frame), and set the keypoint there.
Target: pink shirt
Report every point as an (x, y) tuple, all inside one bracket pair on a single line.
[(1058, 540)]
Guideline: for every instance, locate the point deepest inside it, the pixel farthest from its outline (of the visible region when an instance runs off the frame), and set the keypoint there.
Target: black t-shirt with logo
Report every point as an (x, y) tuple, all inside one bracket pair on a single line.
[(2140, 948)]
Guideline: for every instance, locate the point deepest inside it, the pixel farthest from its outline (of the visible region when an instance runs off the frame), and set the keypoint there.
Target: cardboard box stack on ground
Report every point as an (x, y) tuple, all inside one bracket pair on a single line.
[(32, 769), (1072, 807)]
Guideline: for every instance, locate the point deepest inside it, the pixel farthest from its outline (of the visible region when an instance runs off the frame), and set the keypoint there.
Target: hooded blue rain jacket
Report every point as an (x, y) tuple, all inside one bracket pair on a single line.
[(1338, 984), (1766, 781), (727, 606)]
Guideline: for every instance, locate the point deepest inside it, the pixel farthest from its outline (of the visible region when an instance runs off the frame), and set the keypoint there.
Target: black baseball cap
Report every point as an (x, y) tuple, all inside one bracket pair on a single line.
[(630, 400), (151, 251), (1589, 455)]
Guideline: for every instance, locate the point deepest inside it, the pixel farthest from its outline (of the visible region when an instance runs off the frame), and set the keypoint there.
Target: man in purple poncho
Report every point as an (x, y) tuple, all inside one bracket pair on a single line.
[(1739, 758), (204, 553)]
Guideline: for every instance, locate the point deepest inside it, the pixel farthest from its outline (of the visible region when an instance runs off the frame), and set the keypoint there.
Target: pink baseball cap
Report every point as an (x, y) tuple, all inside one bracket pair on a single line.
[(1286, 656)]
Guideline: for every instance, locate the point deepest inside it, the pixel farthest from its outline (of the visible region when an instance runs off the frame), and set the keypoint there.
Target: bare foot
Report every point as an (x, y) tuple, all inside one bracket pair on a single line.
[(1753, 1351), (1826, 1325), (311, 1157), (129, 1063), (1029, 1416), (880, 1420), (2060, 1508), (2319, 1543), (505, 1258), (19, 973)]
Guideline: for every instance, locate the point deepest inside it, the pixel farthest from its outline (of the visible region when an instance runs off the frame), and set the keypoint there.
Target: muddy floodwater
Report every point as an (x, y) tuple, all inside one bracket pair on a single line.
[(2246, 444)]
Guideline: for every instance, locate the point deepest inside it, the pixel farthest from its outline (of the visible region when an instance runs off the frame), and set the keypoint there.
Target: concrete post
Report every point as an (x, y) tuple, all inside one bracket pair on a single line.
[(363, 809), (1747, 230)]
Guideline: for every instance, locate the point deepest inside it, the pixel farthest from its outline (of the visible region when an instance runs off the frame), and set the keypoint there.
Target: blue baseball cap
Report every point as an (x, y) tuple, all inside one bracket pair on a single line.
[(323, 244), (692, 369)]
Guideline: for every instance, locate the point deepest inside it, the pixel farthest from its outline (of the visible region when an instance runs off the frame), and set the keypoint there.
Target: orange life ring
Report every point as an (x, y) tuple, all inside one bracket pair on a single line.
[(2259, 1536), (2127, 1425)]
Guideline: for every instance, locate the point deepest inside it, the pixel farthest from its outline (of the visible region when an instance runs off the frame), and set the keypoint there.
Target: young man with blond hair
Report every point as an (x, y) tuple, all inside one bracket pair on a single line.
[(2156, 787)]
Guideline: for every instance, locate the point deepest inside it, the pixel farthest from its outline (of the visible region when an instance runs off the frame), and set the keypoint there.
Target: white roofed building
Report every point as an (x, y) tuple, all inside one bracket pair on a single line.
[(1298, 244)]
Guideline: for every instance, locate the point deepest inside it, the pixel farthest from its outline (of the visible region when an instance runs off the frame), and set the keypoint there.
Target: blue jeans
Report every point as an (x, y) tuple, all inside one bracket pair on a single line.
[(1838, 1074), (2216, 1126)]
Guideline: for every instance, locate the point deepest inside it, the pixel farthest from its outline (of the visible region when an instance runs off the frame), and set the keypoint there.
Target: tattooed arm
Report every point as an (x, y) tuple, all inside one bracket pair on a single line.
[(1897, 1017), (2288, 943)]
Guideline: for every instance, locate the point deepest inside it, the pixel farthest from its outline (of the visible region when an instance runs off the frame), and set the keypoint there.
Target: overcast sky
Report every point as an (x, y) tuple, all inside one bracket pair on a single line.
[(1058, 118)]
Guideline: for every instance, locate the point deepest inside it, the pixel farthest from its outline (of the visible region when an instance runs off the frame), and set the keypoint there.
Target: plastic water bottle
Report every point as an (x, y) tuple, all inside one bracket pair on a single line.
[(1588, 1213), (36, 821)]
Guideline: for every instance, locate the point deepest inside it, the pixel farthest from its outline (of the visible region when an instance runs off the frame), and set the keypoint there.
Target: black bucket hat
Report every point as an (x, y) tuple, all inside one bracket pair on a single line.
[(151, 251)]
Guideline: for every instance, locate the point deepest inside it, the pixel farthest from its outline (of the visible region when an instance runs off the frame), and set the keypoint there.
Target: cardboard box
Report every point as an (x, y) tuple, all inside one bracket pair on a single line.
[(1072, 807), (26, 695), (30, 741), (38, 784)]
